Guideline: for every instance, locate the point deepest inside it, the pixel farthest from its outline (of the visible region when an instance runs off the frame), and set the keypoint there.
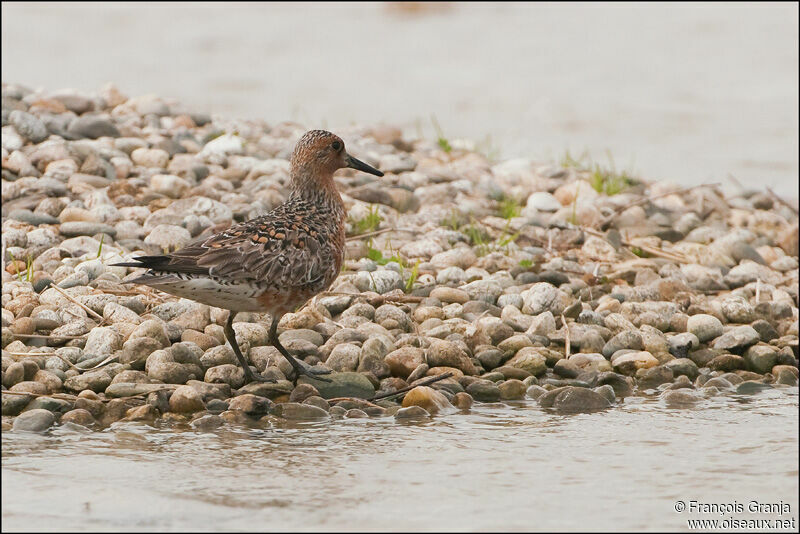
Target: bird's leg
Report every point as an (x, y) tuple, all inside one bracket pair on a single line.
[(299, 368), (231, 336)]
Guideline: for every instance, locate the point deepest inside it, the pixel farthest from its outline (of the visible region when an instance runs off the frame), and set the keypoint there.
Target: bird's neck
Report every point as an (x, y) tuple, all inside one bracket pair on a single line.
[(319, 190)]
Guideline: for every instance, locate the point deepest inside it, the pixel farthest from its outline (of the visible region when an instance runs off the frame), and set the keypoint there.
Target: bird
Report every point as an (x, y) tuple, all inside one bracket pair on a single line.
[(273, 263)]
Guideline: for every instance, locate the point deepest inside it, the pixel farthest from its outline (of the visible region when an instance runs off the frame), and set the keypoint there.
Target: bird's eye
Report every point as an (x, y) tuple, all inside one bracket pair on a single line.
[(336, 145)]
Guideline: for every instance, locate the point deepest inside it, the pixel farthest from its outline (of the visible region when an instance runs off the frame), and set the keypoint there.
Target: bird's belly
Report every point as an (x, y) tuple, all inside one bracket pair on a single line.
[(238, 297)]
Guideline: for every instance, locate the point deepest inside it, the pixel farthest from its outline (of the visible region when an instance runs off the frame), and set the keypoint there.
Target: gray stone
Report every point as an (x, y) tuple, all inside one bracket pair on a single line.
[(683, 366), (627, 339), (342, 385), (578, 400), (750, 387), (705, 327), (92, 126), (299, 412), (28, 125), (412, 412), (484, 390), (737, 338), (761, 358), (79, 228), (34, 421), (96, 381), (677, 398)]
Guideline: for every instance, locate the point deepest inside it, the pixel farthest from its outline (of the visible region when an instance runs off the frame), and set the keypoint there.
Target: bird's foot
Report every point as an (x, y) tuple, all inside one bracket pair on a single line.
[(250, 376), (300, 370)]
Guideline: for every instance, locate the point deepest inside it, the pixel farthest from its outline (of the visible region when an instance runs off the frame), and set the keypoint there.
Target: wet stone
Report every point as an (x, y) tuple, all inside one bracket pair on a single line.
[(679, 398), (78, 416), (34, 421), (251, 404), (512, 389), (727, 362), (342, 385), (750, 387), (299, 412), (412, 412), (484, 391)]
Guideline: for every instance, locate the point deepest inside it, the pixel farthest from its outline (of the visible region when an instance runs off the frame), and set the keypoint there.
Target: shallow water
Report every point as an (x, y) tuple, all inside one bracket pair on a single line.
[(687, 93), (508, 466)]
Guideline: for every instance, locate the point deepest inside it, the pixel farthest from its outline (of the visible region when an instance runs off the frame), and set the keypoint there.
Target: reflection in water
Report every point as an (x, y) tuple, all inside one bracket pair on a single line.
[(498, 467)]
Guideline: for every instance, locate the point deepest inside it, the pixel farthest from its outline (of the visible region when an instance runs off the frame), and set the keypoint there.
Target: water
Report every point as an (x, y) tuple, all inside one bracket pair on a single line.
[(688, 93), (501, 467), (685, 93)]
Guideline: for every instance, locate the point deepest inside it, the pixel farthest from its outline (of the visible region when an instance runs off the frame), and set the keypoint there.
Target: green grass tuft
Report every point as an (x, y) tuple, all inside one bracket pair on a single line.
[(609, 182), (369, 223), (509, 207), (412, 279), (582, 162), (442, 141)]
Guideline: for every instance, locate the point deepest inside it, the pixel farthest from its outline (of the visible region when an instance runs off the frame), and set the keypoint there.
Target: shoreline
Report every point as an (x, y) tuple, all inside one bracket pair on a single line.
[(573, 285)]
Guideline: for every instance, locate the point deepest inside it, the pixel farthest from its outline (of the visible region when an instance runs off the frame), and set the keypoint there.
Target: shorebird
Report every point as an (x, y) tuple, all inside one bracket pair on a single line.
[(273, 263)]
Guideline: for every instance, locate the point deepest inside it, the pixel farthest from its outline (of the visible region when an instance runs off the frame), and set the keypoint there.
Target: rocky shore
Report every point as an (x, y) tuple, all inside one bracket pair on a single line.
[(566, 286)]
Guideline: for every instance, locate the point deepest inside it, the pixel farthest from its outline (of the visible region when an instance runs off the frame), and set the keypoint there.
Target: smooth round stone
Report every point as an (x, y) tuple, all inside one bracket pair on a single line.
[(28, 125), (512, 389), (33, 218), (629, 363), (578, 400), (78, 416), (606, 391), (14, 404), (208, 422), (34, 421), (543, 201), (299, 412), (566, 368), (737, 338), (749, 387), (676, 398), (462, 400), (738, 310), (484, 391), (432, 400), (785, 374), (761, 358), (412, 412), (450, 294), (705, 327), (623, 385), (727, 362), (683, 366), (627, 339), (92, 126), (653, 377), (251, 404), (185, 399)]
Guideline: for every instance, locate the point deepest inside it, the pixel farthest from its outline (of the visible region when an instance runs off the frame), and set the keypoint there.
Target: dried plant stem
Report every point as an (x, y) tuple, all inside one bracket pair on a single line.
[(86, 308), (409, 388)]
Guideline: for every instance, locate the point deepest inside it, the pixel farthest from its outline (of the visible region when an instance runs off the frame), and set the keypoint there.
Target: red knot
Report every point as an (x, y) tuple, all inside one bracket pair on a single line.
[(273, 263)]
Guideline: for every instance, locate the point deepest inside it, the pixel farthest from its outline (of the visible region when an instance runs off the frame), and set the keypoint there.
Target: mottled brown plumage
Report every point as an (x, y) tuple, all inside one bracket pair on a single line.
[(273, 263)]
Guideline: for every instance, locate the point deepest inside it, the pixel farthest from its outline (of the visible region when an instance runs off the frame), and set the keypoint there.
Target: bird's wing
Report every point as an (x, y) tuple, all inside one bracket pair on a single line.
[(277, 249)]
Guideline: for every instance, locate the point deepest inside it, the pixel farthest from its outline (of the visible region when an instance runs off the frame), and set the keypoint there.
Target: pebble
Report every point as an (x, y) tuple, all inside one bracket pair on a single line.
[(37, 420), (299, 412), (186, 400), (736, 338), (428, 398), (488, 303)]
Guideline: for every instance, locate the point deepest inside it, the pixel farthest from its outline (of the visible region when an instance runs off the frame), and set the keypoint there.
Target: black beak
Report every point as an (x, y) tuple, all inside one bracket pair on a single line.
[(354, 163)]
